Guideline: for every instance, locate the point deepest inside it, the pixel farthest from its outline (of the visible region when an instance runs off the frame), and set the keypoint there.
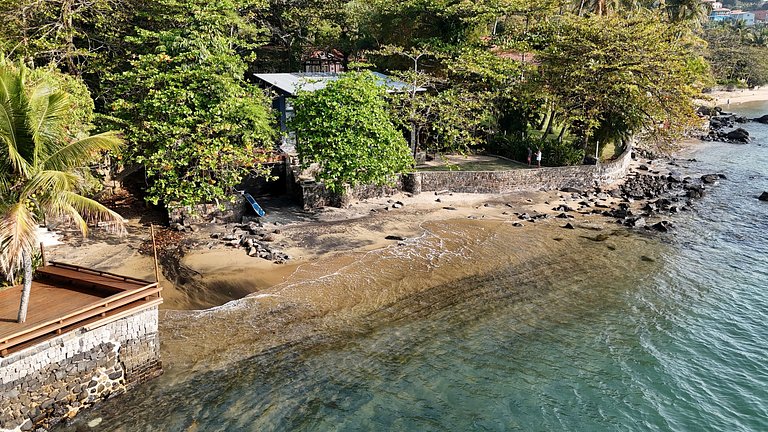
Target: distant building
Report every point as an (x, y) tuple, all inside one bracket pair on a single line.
[(721, 14), (761, 16), (324, 62), (748, 18)]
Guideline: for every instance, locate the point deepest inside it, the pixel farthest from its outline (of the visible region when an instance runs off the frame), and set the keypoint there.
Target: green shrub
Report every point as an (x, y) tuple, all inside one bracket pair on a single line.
[(554, 152)]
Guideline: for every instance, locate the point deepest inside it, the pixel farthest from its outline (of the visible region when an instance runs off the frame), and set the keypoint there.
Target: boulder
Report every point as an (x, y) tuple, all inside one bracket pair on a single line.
[(763, 196), (762, 119), (710, 178), (738, 135)]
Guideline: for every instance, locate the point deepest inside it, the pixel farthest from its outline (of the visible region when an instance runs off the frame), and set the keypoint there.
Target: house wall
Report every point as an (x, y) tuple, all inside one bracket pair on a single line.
[(52, 381)]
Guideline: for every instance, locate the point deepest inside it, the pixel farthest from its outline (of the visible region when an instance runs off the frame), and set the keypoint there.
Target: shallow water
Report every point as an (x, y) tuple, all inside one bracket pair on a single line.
[(635, 333)]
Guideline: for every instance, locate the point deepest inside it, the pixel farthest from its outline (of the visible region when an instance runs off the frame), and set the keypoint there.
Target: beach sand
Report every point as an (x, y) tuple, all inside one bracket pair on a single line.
[(216, 292), (726, 98)]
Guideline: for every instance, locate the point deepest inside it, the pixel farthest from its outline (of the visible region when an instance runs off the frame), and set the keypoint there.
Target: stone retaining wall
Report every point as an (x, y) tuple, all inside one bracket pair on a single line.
[(221, 212), (52, 381), (315, 195), (548, 178)]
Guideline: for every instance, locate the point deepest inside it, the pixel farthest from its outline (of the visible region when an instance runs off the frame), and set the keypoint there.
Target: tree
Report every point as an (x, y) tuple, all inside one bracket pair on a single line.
[(612, 76), (190, 117), (346, 129), (62, 32), (39, 161)]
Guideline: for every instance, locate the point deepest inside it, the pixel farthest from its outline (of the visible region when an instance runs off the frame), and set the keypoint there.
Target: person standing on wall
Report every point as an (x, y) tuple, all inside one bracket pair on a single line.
[(538, 157)]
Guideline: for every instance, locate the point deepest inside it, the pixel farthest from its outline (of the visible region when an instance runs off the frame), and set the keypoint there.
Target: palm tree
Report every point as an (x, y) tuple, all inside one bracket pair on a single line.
[(39, 163)]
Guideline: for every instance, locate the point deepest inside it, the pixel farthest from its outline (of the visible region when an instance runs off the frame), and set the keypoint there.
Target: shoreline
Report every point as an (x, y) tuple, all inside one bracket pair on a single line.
[(724, 98), (309, 298)]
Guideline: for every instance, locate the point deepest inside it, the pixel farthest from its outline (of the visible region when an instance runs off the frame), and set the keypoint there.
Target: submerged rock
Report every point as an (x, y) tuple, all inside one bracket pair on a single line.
[(763, 196)]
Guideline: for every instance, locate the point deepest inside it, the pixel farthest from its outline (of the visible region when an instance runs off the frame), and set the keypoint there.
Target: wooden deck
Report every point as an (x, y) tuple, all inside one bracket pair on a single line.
[(65, 298)]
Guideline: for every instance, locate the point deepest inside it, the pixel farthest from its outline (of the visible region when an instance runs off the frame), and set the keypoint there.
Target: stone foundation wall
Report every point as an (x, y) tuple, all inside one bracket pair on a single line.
[(548, 178), (52, 381), (222, 212), (315, 195)]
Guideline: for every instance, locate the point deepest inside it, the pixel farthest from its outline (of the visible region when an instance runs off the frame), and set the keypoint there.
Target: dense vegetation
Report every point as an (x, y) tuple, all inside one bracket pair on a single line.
[(345, 129), (569, 76)]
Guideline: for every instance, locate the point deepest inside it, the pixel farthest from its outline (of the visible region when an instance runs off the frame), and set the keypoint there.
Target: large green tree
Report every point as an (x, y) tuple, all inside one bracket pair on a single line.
[(345, 128), (190, 117), (611, 77), (40, 158)]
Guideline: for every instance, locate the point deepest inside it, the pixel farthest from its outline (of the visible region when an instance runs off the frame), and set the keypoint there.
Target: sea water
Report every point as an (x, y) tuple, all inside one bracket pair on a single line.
[(660, 333)]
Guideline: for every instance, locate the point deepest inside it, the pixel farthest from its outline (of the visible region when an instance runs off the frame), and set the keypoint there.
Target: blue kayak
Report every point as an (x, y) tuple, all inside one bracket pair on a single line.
[(256, 207)]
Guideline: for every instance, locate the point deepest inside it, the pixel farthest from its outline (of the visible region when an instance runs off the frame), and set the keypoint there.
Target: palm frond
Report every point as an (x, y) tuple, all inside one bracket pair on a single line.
[(46, 112), (17, 234), (13, 141), (50, 182), (84, 210), (79, 152)]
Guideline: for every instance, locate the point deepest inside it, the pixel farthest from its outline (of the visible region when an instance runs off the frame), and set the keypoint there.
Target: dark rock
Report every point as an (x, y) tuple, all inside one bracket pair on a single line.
[(643, 168), (449, 208), (647, 259), (569, 226), (738, 135), (763, 196), (178, 227), (675, 177), (395, 237), (762, 119), (590, 160), (637, 222), (518, 224), (694, 191), (710, 178), (662, 226)]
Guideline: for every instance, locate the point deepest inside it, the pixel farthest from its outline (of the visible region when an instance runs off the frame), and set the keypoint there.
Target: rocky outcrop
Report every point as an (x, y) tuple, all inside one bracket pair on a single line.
[(254, 238)]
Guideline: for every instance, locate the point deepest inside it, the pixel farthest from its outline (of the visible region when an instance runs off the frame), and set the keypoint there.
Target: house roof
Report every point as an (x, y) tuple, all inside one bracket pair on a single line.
[(291, 83)]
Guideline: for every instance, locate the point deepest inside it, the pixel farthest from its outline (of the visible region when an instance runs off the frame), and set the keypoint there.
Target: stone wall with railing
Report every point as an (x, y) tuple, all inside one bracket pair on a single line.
[(53, 380)]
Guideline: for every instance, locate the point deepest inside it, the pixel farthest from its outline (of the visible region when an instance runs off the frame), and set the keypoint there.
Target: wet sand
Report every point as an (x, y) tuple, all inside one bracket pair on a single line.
[(227, 306)]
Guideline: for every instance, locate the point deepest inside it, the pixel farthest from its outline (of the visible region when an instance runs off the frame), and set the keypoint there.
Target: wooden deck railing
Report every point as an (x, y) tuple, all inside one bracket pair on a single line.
[(125, 300)]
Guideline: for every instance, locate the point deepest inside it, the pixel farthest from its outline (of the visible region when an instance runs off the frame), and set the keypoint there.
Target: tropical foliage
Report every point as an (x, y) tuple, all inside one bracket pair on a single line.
[(40, 155), (345, 128), (195, 124)]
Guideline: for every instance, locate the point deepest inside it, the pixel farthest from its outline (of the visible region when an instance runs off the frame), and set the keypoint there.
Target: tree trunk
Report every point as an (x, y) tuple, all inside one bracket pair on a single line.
[(24, 304), (562, 133), (551, 124)]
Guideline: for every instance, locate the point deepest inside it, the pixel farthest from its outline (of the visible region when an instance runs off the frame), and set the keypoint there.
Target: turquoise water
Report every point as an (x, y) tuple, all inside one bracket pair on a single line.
[(666, 333)]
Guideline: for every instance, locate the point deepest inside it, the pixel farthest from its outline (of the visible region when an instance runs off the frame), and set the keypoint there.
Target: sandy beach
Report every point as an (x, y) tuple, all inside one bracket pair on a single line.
[(211, 288), (725, 98)]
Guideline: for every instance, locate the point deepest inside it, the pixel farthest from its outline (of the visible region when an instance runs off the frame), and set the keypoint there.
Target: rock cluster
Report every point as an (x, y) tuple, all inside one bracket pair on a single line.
[(254, 239), (645, 195), (722, 124)]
